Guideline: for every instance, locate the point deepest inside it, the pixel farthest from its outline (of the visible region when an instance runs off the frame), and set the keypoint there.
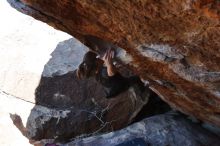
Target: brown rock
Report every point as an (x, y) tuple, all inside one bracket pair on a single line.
[(173, 44)]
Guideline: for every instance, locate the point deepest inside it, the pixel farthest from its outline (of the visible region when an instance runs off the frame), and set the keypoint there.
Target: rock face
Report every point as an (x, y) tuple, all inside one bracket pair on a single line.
[(172, 44), (67, 107), (161, 130)]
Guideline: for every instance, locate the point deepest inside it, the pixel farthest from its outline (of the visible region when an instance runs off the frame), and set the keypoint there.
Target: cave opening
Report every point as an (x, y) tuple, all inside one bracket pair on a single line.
[(154, 106)]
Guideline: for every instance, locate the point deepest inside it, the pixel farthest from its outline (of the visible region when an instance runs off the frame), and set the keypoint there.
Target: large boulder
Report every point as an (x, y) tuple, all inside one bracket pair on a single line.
[(170, 129), (173, 44)]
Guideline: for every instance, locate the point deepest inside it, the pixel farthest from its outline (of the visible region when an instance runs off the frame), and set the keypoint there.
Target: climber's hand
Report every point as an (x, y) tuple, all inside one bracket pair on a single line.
[(108, 56)]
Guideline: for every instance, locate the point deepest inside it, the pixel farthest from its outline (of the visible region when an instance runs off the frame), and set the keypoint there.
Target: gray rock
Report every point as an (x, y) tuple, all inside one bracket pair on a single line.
[(170, 129), (66, 57)]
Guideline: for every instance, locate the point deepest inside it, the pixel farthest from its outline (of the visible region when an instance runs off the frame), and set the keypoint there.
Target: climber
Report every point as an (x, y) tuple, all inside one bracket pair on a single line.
[(106, 73)]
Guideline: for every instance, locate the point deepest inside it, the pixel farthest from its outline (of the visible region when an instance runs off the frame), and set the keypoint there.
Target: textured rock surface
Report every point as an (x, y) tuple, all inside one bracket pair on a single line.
[(81, 115), (161, 130), (172, 43), (70, 107)]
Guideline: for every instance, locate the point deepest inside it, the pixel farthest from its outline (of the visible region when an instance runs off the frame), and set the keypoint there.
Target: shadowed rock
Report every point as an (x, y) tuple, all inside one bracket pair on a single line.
[(170, 129)]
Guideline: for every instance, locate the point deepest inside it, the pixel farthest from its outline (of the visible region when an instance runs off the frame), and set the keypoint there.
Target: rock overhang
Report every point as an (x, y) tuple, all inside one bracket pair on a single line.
[(173, 44)]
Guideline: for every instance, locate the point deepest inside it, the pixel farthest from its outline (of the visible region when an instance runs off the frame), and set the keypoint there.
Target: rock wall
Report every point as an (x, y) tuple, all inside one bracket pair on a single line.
[(174, 44)]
